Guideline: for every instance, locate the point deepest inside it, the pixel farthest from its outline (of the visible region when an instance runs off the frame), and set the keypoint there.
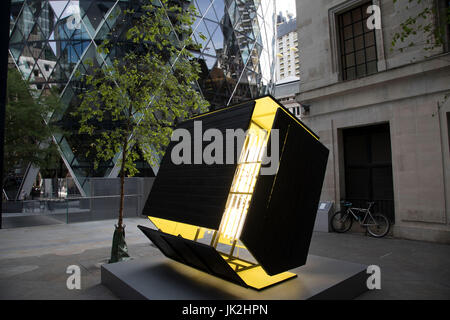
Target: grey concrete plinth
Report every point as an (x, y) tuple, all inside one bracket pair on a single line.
[(158, 278)]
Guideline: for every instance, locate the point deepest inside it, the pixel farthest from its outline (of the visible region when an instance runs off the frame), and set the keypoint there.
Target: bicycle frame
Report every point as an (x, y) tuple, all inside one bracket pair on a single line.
[(367, 212)]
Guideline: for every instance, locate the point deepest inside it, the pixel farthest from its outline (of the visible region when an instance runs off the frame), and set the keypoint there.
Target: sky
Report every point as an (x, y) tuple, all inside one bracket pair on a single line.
[(286, 5)]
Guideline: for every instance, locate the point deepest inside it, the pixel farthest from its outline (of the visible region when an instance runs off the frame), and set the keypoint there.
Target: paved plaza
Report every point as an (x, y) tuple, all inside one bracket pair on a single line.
[(33, 260)]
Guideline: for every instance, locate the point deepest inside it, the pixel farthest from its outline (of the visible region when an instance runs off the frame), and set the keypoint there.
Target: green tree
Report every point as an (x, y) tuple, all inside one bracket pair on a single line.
[(137, 98), (433, 21), (27, 135)]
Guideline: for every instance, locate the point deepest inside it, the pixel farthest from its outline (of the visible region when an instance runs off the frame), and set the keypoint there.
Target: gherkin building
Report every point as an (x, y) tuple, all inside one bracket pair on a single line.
[(51, 42)]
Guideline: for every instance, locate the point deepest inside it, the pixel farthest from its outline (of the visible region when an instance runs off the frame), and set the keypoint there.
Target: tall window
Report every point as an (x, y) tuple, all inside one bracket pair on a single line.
[(357, 43), (443, 22), (448, 128)]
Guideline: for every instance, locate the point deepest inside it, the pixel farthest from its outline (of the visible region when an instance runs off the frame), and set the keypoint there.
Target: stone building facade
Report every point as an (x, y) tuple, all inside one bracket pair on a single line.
[(384, 112)]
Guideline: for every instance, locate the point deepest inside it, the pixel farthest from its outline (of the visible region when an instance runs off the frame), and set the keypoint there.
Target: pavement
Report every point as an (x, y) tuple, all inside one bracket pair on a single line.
[(34, 260)]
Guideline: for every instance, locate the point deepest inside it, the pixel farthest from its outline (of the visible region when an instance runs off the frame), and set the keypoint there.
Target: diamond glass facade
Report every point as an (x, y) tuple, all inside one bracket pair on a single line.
[(51, 40)]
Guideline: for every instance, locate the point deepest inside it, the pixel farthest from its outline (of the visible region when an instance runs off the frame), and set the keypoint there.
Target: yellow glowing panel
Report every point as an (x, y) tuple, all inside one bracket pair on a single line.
[(236, 260), (243, 183), (187, 231), (257, 278), (247, 171), (264, 113)]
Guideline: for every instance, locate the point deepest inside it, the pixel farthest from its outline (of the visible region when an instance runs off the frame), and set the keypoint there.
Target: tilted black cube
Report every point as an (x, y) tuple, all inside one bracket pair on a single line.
[(271, 215)]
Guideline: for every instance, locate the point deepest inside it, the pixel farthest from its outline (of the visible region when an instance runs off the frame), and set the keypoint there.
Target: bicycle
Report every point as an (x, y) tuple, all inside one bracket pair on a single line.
[(376, 224)]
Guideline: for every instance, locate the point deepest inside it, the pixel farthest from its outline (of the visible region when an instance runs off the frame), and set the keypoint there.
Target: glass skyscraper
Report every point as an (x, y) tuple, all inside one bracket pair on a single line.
[(51, 41)]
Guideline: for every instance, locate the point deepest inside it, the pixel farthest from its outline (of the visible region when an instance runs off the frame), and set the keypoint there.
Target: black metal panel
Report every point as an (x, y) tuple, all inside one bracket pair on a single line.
[(185, 252), (163, 246), (197, 193), (194, 254), (280, 220)]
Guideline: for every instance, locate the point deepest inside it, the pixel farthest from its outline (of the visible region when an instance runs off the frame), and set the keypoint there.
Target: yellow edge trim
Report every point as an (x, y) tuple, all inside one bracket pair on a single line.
[(257, 278), (260, 99), (290, 115), (219, 110)]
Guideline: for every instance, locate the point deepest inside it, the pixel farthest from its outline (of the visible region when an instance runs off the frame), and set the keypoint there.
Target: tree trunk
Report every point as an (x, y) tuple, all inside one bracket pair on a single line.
[(119, 249), (122, 182)]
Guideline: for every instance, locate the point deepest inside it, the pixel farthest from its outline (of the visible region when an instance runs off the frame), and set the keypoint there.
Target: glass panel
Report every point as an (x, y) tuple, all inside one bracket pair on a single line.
[(350, 60), (202, 6), (46, 20), (360, 57), (58, 7), (372, 67), (348, 32), (356, 39), (210, 61), (16, 49), (356, 14), (361, 70), (349, 46), (16, 6), (359, 43), (25, 21), (371, 54), (346, 19), (219, 8), (369, 38), (358, 28), (211, 15), (16, 36), (351, 73)]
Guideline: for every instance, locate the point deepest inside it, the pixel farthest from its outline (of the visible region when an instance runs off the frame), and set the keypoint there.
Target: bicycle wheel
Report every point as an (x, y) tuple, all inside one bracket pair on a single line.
[(379, 226), (341, 222)]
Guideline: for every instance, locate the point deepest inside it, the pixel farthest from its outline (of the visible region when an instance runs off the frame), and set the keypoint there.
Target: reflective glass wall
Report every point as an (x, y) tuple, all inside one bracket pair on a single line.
[(51, 40)]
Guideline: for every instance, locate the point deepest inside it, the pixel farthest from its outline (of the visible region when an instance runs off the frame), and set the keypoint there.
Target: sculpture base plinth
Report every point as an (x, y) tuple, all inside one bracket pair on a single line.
[(159, 278)]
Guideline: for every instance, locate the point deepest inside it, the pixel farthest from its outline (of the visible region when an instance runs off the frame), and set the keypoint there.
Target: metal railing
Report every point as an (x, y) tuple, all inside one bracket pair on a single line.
[(74, 209)]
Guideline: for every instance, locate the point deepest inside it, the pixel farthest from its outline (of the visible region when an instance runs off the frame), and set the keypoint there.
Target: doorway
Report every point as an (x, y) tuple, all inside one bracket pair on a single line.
[(368, 168)]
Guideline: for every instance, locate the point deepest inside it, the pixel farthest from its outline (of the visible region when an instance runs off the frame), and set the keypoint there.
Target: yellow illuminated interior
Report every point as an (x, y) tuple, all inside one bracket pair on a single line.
[(257, 278), (254, 275), (244, 181), (247, 170), (251, 273), (174, 228)]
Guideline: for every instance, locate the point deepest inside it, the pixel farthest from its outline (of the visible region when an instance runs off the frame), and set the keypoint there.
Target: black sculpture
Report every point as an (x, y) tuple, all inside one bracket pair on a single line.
[(208, 215)]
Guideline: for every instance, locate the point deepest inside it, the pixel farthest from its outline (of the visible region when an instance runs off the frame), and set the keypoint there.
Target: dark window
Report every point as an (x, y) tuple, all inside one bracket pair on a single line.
[(448, 128), (357, 44), (443, 23)]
